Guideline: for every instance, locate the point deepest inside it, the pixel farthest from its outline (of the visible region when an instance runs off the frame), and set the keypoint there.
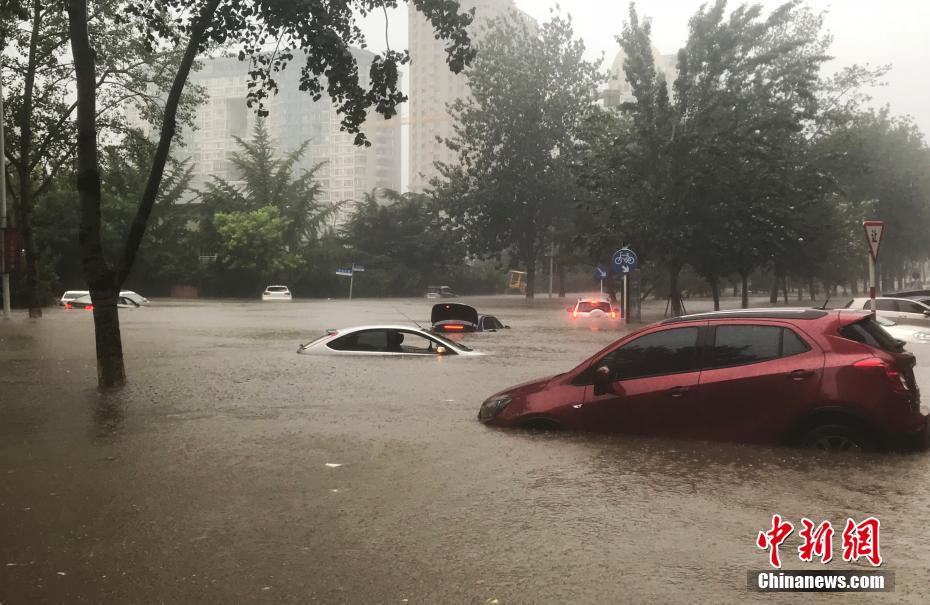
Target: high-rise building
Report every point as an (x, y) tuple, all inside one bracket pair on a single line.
[(619, 91), (433, 87), (349, 171)]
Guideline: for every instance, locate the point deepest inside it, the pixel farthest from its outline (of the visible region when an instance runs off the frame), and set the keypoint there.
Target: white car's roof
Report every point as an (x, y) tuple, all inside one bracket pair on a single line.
[(383, 327), (865, 298)]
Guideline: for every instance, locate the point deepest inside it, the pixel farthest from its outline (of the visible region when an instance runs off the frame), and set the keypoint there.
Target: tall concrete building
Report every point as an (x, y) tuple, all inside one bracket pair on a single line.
[(293, 118), (619, 91), (433, 87)]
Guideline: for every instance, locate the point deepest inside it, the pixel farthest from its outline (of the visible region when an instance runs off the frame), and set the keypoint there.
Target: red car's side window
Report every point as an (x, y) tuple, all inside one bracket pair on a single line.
[(664, 352), (744, 344)]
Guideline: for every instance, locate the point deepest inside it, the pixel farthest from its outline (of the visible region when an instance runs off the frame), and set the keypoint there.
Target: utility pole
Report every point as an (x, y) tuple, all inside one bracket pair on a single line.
[(3, 224)]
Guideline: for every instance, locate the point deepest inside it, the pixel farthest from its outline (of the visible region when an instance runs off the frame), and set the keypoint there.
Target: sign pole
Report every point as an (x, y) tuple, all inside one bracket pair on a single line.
[(351, 282), (3, 259), (626, 301), (872, 284)]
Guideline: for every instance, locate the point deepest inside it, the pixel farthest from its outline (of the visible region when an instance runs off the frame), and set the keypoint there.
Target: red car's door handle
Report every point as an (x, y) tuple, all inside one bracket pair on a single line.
[(801, 374), (678, 391)]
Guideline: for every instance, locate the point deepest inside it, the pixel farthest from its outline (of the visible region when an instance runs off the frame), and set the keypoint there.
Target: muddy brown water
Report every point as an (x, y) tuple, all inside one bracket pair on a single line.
[(206, 480)]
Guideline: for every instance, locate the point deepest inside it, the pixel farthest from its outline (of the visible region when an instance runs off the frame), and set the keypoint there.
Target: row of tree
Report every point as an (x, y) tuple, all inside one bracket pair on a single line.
[(752, 159), (269, 226)]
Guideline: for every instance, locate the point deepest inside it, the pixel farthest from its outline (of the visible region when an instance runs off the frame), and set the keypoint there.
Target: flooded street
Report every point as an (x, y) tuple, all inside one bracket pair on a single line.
[(212, 476)]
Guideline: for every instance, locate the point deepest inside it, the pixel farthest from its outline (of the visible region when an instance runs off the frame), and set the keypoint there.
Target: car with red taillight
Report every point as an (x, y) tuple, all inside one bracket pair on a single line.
[(85, 303), (832, 379), (593, 309)]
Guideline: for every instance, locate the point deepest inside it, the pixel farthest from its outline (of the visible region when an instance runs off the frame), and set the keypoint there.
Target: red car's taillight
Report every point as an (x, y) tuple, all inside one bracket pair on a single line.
[(896, 378), (69, 306), (89, 308)]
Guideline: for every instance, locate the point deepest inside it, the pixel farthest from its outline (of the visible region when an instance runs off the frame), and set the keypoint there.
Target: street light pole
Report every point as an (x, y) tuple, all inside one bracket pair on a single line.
[(3, 225)]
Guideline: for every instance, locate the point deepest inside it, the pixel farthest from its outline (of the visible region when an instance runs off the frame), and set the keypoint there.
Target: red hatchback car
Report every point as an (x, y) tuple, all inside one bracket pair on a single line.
[(830, 379)]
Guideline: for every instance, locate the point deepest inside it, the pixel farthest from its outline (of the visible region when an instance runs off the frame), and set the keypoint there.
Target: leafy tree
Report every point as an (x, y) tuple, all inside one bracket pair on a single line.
[(708, 169), (402, 242), (253, 244), (884, 162), (169, 242), (269, 180), (530, 91), (37, 67), (322, 30)]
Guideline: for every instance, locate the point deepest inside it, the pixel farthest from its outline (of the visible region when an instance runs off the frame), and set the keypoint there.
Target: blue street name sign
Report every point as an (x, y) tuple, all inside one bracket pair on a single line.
[(344, 272)]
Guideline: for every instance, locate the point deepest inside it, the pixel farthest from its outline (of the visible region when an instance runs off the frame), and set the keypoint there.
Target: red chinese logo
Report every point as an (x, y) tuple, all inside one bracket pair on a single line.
[(816, 542), (860, 540), (773, 538)]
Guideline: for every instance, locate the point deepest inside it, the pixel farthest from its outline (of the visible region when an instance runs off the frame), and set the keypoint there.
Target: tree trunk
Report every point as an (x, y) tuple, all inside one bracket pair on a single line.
[(715, 291), (744, 284), (812, 288), (531, 281), (97, 271), (773, 291), (26, 201), (674, 294), (103, 281), (561, 273), (784, 287)]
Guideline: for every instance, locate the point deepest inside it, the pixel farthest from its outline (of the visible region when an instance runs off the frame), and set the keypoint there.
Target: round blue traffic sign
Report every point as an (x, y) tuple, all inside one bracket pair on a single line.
[(624, 261)]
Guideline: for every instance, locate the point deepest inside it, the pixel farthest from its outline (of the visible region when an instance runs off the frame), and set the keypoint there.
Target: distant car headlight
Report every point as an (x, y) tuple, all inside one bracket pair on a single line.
[(922, 336), (493, 406)]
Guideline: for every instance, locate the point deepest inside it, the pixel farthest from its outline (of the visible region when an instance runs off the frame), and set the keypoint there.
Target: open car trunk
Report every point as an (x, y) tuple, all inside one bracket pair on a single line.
[(454, 317)]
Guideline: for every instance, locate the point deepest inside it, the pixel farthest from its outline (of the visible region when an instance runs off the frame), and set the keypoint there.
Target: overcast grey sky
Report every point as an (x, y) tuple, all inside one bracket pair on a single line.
[(875, 32), (864, 31)]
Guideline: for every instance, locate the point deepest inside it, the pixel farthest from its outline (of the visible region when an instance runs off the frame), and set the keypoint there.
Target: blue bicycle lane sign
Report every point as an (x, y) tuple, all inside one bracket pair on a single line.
[(624, 261)]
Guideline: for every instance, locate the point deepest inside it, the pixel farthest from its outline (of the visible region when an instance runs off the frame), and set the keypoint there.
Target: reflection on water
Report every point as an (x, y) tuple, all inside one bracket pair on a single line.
[(108, 415), (206, 478)]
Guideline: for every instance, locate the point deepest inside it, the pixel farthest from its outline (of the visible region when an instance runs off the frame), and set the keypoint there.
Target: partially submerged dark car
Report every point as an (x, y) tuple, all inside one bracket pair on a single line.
[(456, 317)]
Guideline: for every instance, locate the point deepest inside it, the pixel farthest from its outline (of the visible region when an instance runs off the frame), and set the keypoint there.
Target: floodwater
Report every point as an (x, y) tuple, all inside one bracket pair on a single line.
[(211, 477)]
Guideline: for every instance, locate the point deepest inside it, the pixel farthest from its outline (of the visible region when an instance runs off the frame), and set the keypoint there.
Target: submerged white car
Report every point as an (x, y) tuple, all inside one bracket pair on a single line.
[(72, 295), (384, 340), (277, 293), (907, 333)]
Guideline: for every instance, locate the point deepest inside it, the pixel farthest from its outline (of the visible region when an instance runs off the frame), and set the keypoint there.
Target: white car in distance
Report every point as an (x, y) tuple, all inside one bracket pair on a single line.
[(385, 340), (276, 293), (72, 295), (899, 310)]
